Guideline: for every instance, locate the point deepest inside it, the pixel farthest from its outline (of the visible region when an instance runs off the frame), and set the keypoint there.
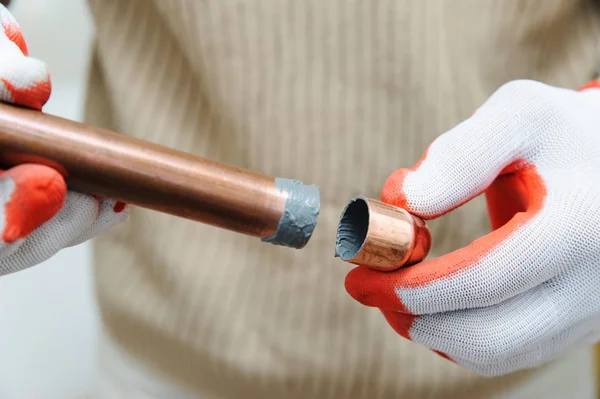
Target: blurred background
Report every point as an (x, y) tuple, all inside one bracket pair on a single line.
[(49, 323), (48, 320)]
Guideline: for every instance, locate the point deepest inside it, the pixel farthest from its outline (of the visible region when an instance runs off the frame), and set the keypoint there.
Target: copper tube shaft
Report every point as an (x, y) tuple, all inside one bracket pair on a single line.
[(112, 165), (372, 233)]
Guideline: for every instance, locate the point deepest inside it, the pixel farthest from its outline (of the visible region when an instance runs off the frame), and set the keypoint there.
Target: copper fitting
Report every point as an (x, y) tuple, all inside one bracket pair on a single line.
[(372, 233), (112, 165)]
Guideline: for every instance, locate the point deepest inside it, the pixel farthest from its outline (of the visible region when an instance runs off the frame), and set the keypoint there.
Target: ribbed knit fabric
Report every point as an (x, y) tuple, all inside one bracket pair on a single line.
[(338, 93)]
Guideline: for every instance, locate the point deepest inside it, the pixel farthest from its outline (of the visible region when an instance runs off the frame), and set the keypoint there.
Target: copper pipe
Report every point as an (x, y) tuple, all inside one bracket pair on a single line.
[(112, 165), (372, 233)]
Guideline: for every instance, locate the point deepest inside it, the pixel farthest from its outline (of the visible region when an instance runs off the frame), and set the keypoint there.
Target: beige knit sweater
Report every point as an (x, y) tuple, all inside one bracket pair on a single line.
[(339, 93)]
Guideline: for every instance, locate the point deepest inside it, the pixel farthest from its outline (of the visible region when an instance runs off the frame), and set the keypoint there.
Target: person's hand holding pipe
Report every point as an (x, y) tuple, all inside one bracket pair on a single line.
[(38, 215), (527, 292)]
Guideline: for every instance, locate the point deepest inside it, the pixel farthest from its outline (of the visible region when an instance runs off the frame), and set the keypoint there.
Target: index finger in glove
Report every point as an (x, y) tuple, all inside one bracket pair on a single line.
[(23, 80), (457, 167)]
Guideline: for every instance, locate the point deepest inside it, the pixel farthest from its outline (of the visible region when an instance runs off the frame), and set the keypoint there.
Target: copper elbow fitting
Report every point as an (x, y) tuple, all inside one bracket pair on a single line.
[(380, 236)]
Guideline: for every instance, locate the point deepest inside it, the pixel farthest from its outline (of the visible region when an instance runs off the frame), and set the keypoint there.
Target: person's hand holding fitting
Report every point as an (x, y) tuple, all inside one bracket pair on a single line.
[(528, 291)]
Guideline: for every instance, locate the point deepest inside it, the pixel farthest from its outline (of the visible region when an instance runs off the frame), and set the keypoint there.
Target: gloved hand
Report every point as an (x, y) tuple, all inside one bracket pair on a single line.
[(38, 216), (529, 291)]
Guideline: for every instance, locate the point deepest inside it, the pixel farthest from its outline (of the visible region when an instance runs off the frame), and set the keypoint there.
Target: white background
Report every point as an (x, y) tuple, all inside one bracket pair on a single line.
[(48, 321)]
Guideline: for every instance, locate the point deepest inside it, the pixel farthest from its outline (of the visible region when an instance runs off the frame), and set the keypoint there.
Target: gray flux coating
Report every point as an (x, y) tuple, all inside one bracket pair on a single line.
[(300, 215), (353, 228)]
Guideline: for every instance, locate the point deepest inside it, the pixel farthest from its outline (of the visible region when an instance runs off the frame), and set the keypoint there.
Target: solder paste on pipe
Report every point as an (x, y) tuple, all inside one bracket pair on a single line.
[(300, 216), (352, 230)]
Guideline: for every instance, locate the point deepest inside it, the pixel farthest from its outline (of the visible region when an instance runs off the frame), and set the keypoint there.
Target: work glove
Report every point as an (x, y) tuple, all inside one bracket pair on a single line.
[(529, 291), (38, 216)]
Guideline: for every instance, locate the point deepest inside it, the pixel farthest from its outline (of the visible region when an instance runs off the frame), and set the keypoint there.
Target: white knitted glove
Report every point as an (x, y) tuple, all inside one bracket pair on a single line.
[(530, 290), (38, 216)]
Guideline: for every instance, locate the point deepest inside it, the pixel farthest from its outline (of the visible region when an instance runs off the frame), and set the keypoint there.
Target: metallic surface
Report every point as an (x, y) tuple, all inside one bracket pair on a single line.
[(381, 236), (112, 165)]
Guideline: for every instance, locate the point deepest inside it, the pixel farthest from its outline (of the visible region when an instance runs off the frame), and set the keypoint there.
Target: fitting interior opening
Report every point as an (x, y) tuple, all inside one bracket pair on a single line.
[(353, 228)]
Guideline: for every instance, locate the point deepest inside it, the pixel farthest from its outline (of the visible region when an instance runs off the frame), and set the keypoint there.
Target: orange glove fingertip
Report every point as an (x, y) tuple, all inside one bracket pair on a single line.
[(393, 188), (594, 84), (119, 207), (34, 97), (13, 32), (38, 195)]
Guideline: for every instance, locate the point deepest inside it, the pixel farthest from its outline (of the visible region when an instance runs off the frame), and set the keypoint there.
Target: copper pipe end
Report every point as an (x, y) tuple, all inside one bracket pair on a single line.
[(112, 165), (299, 216), (381, 236)]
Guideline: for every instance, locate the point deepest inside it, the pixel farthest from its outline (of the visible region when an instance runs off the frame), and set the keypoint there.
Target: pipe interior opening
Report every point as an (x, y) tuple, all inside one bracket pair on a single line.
[(352, 230)]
